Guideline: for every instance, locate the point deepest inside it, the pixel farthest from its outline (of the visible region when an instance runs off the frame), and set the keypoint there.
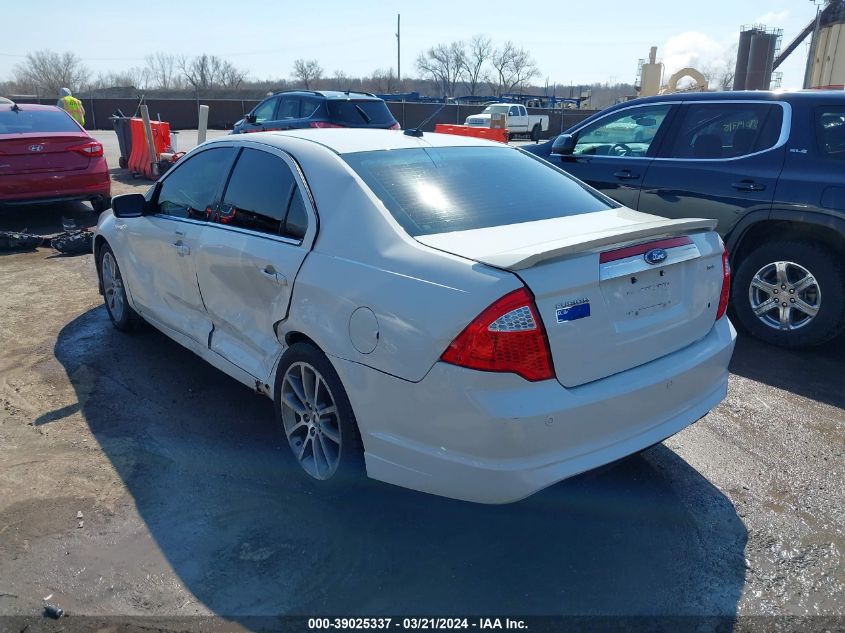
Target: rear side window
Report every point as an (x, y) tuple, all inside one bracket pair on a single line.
[(190, 191), (259, 194), (288, 108), (830, 131), (726, 130), (360, 113), (308, 106), (25, 121), (438, 190)]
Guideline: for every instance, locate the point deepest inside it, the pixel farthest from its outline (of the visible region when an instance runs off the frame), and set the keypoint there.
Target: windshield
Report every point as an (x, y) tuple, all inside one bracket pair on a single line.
[(438, 190), (25, 121), (496, 109)]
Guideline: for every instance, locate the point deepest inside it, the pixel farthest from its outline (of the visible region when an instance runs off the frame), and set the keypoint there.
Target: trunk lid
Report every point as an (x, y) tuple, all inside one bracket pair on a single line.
[(606, 307), (41, 152)]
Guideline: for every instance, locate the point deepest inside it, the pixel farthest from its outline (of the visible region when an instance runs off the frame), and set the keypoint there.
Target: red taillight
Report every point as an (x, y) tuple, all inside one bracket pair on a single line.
[(726, 286), (396, 126), (322, 124), (92, 149), (507, 337)]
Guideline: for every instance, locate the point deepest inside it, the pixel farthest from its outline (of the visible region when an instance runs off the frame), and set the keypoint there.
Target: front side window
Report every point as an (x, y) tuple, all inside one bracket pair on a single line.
[(514, 111), (264, 111), (437, 190), (726, 130), (628, 132), (830, 131), (259, 194), (190, 190)]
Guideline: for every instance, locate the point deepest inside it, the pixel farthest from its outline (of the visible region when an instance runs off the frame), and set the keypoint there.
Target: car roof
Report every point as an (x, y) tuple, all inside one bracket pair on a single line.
[(349, 140), (332, 94), (28, 106), (756, 95)]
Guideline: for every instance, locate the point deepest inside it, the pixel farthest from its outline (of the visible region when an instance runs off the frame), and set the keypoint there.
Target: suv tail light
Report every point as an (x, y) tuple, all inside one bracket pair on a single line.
[(726, 286), (506, 337), (396, 126), (322, 124), (92, 149)]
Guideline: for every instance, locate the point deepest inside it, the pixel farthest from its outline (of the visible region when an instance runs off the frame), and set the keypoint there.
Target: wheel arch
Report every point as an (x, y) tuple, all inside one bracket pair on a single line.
[(758, 228)]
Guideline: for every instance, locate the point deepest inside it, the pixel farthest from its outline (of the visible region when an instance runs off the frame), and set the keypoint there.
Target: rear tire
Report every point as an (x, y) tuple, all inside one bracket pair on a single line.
[(101, 204), (790, 293), (316, 419), (535, 133), (122, 316)]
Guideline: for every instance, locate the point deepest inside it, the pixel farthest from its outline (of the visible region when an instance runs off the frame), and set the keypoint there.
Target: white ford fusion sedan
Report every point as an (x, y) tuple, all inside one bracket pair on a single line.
[(455, 315)]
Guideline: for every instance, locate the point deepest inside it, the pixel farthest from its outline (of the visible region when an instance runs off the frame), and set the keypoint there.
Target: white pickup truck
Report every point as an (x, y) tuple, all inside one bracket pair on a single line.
[(518, 120)]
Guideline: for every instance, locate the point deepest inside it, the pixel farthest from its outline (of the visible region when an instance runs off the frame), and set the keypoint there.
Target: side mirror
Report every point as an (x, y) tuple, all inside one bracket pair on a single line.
[(564, 144), (250, 118), (129, 205)]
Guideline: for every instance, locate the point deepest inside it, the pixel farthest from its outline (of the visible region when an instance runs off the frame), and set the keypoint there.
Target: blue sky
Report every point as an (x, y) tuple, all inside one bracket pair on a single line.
[(571, 41)]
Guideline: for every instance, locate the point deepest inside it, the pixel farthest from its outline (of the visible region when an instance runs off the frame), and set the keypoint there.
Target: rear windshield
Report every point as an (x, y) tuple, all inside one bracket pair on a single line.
[(360, 112), (24, 121), (437, 190)]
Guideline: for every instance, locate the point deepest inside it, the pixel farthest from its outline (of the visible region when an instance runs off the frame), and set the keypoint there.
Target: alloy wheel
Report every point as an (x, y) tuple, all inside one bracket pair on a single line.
[(113, 287), (784, 295), (311, 422)]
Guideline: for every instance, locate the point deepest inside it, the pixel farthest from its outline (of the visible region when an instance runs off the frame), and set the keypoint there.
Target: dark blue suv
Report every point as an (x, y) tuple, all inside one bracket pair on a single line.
[(769, 166), (312, 108)]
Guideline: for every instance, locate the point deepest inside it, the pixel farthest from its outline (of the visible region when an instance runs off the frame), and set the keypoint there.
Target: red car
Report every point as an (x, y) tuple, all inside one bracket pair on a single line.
[(47, 156)]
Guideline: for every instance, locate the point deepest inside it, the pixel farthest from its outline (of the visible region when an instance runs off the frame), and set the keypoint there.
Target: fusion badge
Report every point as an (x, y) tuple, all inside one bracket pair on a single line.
[(572, 310)]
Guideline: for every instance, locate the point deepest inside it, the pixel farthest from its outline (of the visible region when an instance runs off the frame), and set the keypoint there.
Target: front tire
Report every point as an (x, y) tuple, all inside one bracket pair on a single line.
[(790, 294), (122, 316), (316, 417)]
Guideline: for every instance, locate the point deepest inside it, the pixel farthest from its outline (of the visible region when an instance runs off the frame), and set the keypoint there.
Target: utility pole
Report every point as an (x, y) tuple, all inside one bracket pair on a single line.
[(398, 49)]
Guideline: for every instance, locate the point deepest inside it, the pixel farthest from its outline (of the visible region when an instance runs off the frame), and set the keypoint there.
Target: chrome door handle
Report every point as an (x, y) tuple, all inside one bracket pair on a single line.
[(625, 174), (748, 185), (182, 249), (276, 276)]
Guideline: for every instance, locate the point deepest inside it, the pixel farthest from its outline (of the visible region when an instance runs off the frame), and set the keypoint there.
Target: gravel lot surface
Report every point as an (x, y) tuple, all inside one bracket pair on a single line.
[(137, 480)]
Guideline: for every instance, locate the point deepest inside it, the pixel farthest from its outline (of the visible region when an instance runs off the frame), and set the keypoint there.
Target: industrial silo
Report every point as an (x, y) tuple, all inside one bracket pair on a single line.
[(741, 71), (761, 55)]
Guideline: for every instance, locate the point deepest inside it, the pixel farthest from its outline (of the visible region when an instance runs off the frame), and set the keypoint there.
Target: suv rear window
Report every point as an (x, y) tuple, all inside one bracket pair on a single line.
[(437, 190), (364, 112), (25, 121)]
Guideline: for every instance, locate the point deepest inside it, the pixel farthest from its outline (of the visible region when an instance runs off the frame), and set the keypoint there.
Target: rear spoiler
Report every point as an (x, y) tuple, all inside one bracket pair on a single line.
[(532, 254)]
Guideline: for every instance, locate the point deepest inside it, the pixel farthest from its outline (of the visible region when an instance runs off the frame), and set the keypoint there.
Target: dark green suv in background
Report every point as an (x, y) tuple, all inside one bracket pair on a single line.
[(769, 166)]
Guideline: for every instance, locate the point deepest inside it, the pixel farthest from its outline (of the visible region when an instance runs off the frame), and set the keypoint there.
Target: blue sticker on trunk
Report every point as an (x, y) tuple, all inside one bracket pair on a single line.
[(573, 312)]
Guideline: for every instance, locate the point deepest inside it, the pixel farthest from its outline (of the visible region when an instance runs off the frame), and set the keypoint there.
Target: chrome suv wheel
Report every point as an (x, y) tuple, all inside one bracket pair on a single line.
[(785, 295), (790, 292)]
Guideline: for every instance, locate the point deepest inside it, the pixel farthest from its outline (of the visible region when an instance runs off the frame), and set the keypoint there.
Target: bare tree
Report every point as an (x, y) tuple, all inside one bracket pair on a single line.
[(206, 72), (443, 64), (46, 72), (479, 51), (341, 81), (383, 81), (307, 72), (720, 74), (512, 68), (161, 70)]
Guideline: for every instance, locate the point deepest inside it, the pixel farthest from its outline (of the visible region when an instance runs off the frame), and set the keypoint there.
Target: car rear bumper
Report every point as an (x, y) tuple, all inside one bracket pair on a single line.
[(496, 438), (52, 186)]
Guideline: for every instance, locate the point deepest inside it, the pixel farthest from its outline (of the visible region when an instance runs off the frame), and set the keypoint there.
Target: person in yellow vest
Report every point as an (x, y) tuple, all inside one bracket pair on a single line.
[(71, 105)]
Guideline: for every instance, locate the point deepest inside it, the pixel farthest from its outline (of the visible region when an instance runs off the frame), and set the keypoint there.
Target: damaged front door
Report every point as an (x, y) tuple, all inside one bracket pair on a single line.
[(249, 256)]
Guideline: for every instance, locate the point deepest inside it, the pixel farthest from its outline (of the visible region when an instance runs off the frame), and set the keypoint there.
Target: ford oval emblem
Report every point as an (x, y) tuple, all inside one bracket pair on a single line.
[(656, 256), (36, 148)]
